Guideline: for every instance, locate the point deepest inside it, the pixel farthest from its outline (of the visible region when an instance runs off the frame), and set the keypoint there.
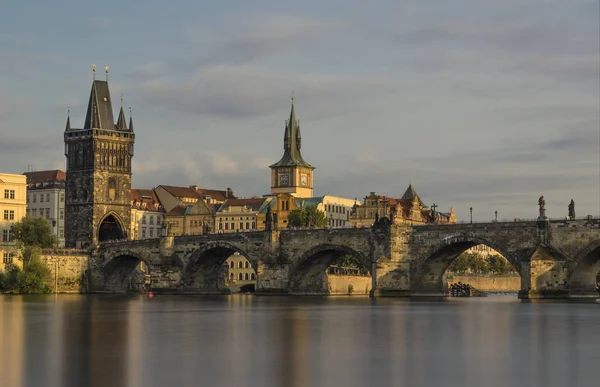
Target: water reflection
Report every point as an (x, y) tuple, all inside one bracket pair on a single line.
[(294, 342)]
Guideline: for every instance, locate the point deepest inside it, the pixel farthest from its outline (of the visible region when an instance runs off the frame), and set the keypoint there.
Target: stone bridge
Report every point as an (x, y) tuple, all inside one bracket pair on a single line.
[(554, 258)]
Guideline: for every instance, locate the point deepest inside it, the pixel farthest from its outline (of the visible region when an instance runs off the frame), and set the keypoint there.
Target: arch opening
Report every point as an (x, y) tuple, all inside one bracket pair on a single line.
[(110, 229), (585, 278), (127, 273), (331, 270), (219, 270), (475, 263)]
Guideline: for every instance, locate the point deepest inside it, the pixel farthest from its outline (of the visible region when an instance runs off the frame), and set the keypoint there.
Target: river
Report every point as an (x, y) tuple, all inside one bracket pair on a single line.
[(242, 340)]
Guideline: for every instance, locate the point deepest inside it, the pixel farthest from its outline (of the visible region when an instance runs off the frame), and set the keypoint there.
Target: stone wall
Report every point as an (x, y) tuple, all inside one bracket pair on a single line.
[(489, 283), (338, 284), (67, 270)]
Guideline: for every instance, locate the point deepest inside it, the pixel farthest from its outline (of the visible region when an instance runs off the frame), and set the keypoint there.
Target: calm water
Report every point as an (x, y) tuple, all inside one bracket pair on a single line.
[(292, 342)]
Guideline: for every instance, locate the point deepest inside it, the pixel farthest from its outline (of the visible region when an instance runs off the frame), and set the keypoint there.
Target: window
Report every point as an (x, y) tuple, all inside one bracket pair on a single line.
[(246, 264), (112, 189), (61, 233), (151, 233), (231, 276), (232, 226), (240, 276), (226, 226), (151, 219), (12, 193), (34, 197), (5, 214), (252, 277), (253, 225), (220, 226), (7, 258), (232, 265), (41, 198), (247, 226), (48, 197), (143, 232), (5, 235), (246, 276), (11, 214), (62, 197), (61, 214), (5, 194), (240, 265)]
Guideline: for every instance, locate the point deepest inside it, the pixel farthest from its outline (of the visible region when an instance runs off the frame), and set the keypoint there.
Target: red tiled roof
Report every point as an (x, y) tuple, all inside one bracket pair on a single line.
[(144, 198), (45, 176)]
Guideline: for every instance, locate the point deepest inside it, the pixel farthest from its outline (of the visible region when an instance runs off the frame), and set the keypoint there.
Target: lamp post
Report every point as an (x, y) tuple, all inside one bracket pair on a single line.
[(496, 214), (471, 210)]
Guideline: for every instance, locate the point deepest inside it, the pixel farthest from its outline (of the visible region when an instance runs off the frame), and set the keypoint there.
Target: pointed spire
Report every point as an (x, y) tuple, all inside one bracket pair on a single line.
[(291, 142), (122, 121), (68, 126), (130, 120), (99, 112)]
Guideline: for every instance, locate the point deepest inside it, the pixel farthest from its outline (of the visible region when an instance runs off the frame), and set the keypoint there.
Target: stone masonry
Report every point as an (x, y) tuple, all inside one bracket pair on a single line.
[(554, 259)]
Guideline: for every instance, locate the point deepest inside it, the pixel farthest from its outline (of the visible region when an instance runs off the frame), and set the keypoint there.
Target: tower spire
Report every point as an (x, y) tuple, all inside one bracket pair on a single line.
[(68, 126), (291, 142), (130, 120), (122, 121)]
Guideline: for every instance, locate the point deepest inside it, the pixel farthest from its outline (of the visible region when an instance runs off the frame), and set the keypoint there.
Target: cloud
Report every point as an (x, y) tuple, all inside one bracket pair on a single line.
[(223, 164)]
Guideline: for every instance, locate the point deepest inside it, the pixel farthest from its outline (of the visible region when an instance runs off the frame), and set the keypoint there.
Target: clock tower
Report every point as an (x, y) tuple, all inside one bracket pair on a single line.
[(292, 174)]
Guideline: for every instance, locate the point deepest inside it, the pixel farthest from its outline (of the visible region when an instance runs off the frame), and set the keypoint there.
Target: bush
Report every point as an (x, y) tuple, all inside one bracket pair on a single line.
[(31, 280), (350, 289)]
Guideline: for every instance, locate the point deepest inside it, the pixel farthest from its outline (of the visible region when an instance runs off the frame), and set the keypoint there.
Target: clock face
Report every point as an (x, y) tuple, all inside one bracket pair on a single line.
[(284, 179), (304, 179)]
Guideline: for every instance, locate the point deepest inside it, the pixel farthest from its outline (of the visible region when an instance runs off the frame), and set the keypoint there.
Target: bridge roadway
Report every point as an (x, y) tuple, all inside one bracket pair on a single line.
[(555, 259)]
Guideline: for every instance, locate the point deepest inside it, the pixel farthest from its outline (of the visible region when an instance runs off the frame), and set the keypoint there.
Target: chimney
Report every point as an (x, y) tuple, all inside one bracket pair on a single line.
[(229, 193), (195, 186)]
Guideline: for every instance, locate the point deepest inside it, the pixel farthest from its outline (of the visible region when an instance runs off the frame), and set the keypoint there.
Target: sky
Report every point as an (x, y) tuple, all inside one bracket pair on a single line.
[(483, 104)]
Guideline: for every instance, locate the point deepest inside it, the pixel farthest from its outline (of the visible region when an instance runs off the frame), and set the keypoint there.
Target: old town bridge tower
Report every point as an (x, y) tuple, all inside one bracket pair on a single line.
[(98, 173), (292, 174)]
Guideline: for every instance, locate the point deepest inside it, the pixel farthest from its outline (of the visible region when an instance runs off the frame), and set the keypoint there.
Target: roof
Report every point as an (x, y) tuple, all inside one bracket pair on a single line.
[(411, 194), (292, 144), (145, 199), (45, 176), (122, 121), (192, 192), (254, 203), (311, 202), (99, 112), (178, 211)]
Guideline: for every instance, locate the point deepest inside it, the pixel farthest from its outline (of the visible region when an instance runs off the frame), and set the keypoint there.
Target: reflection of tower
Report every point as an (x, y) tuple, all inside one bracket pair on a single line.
[(98, 180), (292, 174)]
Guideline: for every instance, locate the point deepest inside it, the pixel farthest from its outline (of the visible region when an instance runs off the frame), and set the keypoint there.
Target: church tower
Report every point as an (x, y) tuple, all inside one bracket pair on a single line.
[(97, 193), (292, 174)]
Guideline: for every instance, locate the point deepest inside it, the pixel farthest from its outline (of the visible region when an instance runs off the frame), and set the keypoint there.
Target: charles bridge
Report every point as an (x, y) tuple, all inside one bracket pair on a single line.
[(555, 259)]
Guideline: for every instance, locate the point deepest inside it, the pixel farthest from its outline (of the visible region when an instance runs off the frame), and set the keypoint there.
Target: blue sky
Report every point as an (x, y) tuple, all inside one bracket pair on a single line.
[(476, 103)]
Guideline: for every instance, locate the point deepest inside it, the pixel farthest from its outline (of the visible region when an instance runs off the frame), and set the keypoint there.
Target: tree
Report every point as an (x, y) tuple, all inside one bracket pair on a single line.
[(307, 217), (297, 218), (33, 232)]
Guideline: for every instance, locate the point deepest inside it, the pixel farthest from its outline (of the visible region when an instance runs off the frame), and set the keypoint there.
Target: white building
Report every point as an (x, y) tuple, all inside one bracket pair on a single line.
[(13, 192), (46, 198), (146, 214), (336, 209)]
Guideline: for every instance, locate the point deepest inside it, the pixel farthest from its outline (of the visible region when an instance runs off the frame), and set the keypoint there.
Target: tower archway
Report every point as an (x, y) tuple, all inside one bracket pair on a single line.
[(110, 228)]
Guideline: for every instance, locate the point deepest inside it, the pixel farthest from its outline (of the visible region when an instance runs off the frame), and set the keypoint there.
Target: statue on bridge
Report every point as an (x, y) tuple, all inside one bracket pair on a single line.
[(572, 210), (268, 219), (542, 204)]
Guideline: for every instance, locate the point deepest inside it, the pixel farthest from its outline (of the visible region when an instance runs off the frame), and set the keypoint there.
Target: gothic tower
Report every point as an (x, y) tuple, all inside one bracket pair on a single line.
[(98, 185), (292, 174)]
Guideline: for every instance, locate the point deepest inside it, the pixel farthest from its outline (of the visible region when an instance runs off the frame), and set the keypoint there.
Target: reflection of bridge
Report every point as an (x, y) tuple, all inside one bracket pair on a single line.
[(554, 259)]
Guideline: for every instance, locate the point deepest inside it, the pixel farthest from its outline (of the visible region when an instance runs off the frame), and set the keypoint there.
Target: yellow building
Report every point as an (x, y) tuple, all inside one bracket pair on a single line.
[(13, 207), (239, 271), (237, 215), (292, 175)]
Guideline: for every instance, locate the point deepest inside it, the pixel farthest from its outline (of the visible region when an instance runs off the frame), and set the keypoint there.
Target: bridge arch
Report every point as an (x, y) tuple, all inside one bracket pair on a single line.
[(428, 271), (119, 266), (308, 274), (584, 271), (205, 272)]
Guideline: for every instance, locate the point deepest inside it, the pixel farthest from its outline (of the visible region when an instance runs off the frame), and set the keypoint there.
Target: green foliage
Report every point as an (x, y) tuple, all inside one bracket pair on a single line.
[(350, 289), (31, 280), (307, 217), (297, 218), (33, 232), (474, 263)]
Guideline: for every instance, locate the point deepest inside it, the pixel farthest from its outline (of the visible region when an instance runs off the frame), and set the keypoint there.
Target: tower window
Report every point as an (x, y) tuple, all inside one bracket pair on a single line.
[(112, 189)]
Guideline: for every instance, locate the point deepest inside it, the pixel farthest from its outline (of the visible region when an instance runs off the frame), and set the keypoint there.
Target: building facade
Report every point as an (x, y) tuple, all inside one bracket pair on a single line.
[(238, 215), (98, 181), (292, 175), (46, 199), (239, 272), (171, 196), (13, 208), (147, 215), (337, 210)]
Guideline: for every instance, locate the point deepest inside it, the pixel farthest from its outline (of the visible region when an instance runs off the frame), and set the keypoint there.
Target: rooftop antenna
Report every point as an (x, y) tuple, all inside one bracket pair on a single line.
[(106, 69), (94, 70)]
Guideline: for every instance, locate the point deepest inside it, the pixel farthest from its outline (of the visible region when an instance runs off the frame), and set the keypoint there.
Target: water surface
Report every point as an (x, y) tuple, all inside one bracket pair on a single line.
[(130, 340)]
